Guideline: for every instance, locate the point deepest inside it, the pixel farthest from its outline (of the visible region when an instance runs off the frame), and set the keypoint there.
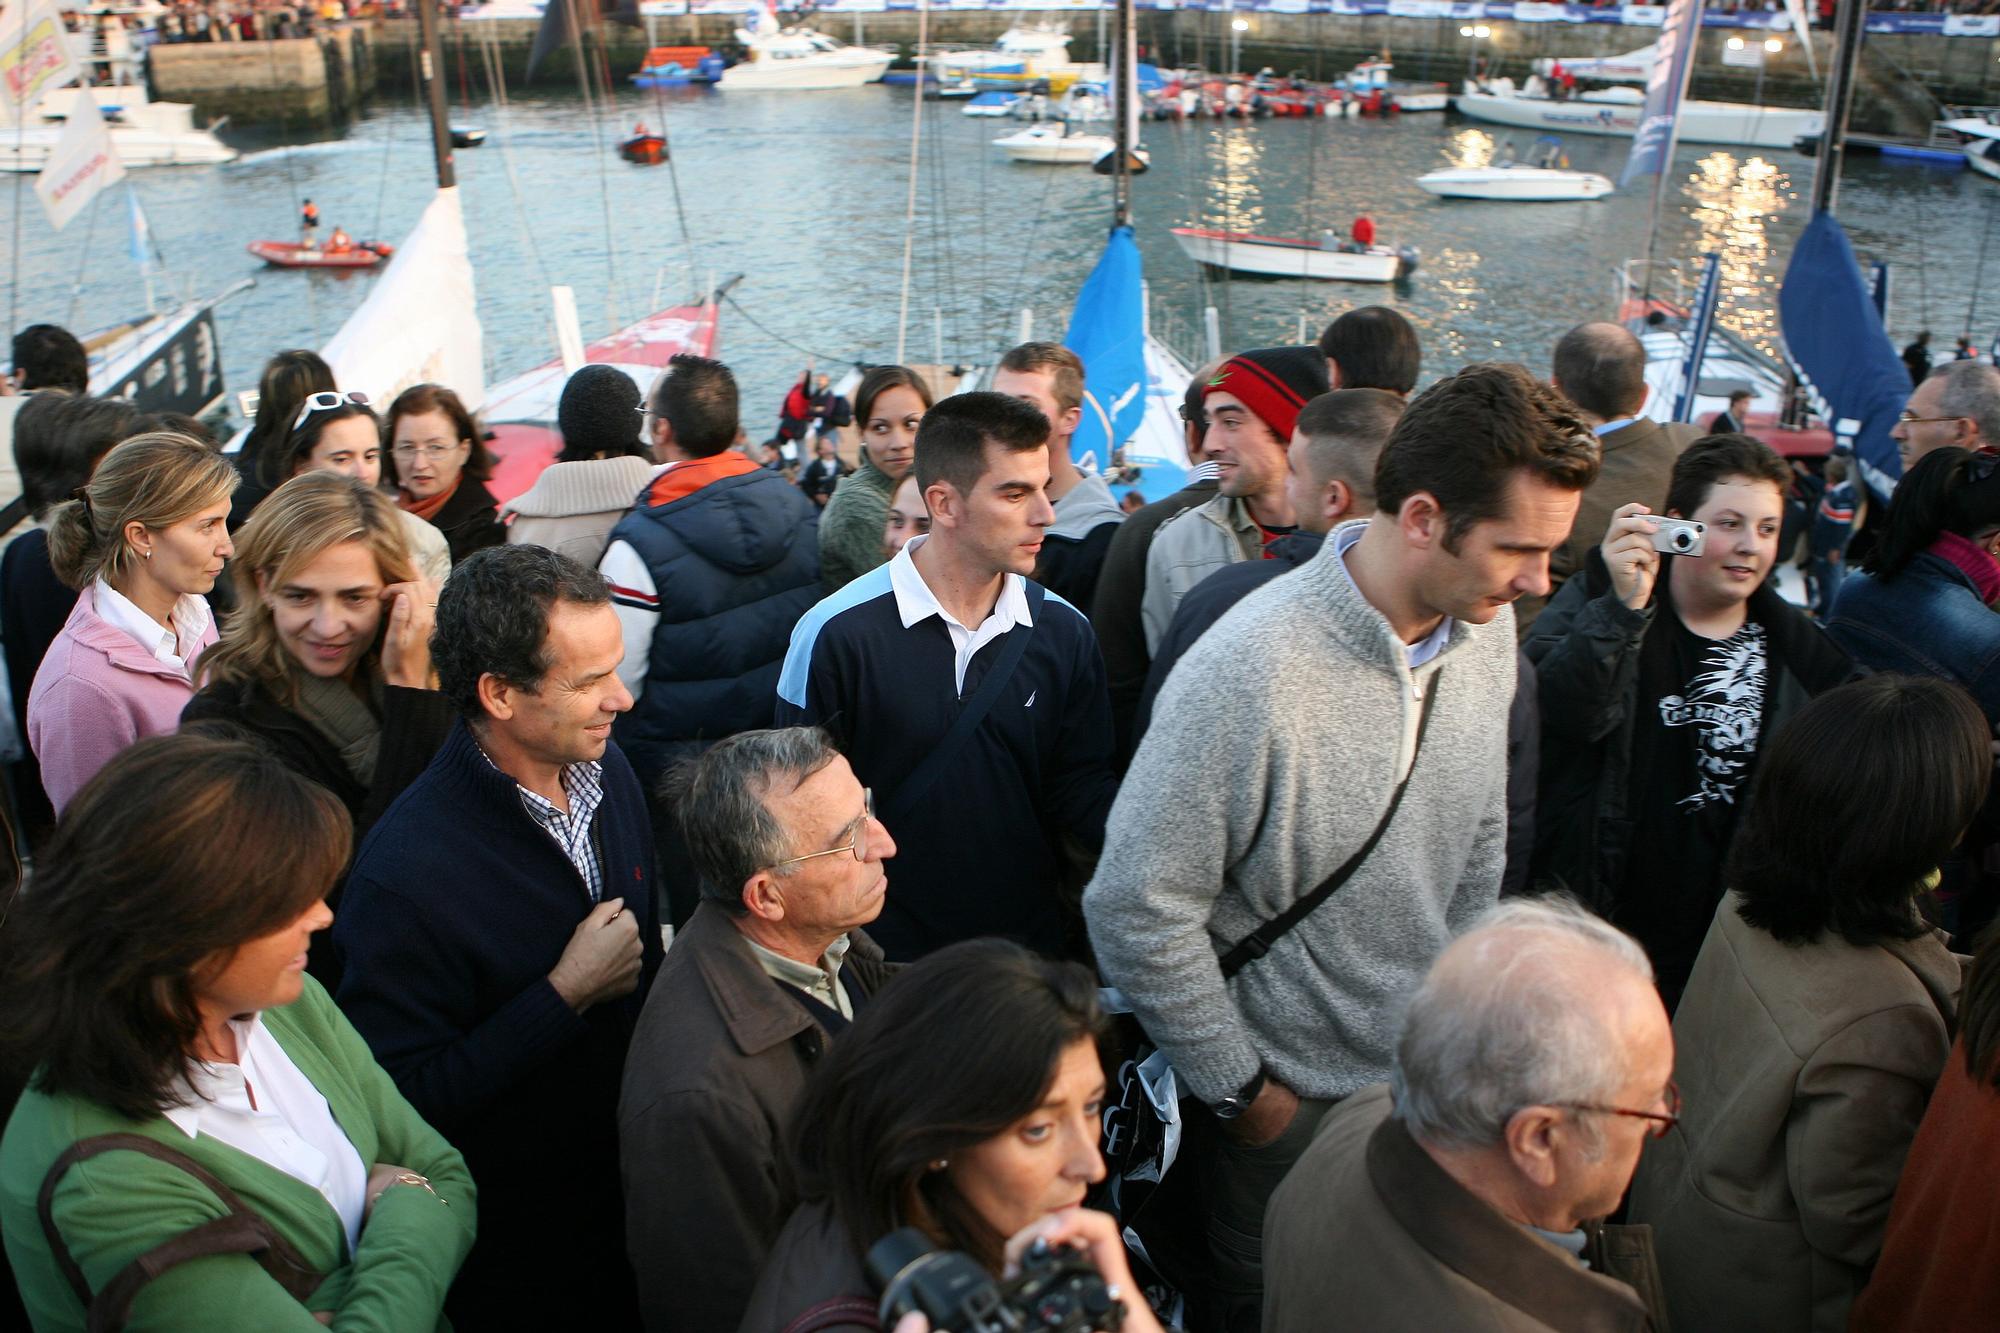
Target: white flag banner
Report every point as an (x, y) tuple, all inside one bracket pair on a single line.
[(83, 162), (35, 56)]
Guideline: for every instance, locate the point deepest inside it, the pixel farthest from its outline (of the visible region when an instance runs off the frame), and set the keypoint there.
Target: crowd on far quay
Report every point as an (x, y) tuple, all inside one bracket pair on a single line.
[(630, 902)]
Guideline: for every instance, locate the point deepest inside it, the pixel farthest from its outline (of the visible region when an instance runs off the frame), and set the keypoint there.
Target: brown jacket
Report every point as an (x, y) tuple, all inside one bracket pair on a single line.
[(1638, 462), (813, 1267), (716, 1066), (1804, 1071), (1368, 1232)]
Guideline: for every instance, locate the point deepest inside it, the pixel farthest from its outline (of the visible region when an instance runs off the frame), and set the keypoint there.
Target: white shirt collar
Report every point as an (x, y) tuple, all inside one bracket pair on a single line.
[(207, 1087), (915, 601), (1605, 428), (171, 646), (1424, 649)]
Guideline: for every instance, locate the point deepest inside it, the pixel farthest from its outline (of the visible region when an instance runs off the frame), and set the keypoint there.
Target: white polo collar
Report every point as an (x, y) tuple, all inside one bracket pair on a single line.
[(915, 601)]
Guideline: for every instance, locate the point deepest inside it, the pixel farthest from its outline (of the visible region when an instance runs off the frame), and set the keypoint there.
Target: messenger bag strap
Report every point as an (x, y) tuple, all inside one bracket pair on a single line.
[(926, 774), (1259, 941)]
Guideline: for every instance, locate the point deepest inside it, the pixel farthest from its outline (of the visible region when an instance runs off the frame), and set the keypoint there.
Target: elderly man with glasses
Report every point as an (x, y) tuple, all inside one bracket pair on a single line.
[(1534, 1063), (770, 968), (1957, 405)]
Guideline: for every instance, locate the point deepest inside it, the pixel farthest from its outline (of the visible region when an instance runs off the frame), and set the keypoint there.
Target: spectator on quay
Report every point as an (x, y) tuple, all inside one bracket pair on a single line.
[(1660, 676), (1956, 406), (1602, 369), (1532, 1065), (889, 405), (983, 1153), (1381, 670), (1917, 357), (1252, 404), (498, 932), (290, 377), (772, 968), (1372, 347), (971, 702), (1820, 1012), (1730, 420), (1051, 376), (828, 410), (335, 433), (907, 516), (579, 498), (823, 474), (440, 467), (1842, 507), (142, 544), (1922, 604), (154, 983)]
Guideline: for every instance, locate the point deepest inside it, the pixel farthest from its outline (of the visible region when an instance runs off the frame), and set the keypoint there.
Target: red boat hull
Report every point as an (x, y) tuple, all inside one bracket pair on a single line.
[(647, 150), (289, 254)]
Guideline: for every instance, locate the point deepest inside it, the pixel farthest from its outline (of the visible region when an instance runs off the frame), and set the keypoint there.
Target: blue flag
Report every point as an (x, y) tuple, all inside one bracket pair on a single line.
[(1107, 329), (1666, 85)]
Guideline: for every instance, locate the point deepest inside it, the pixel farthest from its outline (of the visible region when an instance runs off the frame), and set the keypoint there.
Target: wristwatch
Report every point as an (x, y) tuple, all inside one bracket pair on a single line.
[(411, 1178), (1236, 1103)]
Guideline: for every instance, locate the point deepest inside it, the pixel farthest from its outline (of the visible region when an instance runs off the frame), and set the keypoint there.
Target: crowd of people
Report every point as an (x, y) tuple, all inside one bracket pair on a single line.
[(622, 904)]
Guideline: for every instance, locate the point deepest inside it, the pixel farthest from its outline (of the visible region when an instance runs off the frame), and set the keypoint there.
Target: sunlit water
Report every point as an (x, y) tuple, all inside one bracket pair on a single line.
[(805, 195)]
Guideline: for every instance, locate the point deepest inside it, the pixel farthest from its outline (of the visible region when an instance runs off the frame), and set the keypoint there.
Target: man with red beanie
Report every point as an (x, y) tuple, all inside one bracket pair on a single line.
[(1252, 402)]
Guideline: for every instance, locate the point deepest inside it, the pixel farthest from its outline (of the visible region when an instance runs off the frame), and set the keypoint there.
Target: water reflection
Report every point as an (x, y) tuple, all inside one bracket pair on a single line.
[(1734, 203)]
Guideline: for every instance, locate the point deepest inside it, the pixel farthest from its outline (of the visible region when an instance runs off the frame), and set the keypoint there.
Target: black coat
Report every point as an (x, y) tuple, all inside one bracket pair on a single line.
[(470, 520), (34, 606)]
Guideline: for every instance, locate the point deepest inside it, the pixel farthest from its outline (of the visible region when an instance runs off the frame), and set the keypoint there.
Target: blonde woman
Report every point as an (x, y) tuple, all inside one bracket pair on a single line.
[(327, 659), (142, 543)]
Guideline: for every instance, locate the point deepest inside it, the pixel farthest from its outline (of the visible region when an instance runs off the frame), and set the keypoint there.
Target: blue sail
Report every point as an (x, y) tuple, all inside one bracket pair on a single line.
[(1107, 328), (1841, 353)]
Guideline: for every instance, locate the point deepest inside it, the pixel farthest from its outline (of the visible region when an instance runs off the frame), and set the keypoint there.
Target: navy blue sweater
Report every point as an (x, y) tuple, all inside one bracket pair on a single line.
[(980, 853)]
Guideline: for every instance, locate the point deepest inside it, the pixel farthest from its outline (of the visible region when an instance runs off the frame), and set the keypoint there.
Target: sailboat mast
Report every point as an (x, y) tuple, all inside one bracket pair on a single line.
[(430, 63), (1839, 102), (1124, 109)]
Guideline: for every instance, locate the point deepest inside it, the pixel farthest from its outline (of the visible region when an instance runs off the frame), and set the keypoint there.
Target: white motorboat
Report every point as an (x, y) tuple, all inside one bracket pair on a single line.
[(798, 59), (1047, 143), (145, 133), (1289, 257), (1025, 54), (1516, 183), (1616, 111)]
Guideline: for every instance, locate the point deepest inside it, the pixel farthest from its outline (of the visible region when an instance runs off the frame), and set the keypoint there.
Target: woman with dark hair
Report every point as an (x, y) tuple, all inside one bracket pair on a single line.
[(888, 407), (440, 466), (1819, 1013), (579, 498), (187, 1070), (289, 378), (336, 432), (1922, 603), (983, 1152)]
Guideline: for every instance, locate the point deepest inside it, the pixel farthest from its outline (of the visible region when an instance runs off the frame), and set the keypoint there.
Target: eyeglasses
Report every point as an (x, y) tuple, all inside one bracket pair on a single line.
[(1660, 1123), (1908, 419), (858, 846), (410, 453), (326, 400)]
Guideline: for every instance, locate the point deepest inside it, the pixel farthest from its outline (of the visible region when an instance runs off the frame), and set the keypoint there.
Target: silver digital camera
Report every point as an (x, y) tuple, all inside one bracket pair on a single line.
[(1680, 536)]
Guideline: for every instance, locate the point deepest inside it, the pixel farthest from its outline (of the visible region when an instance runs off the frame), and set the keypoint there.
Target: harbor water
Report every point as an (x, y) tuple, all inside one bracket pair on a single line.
[(806, 195)]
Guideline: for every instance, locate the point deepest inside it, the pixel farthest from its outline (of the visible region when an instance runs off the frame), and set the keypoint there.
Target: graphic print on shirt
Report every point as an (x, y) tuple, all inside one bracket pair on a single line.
[(1725, 703)]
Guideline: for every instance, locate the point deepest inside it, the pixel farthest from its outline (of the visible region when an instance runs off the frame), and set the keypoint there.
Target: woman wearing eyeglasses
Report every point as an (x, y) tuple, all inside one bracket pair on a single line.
[(1923, 601), (1819, 1013), (142, 543), (440, 468), (339, 432)]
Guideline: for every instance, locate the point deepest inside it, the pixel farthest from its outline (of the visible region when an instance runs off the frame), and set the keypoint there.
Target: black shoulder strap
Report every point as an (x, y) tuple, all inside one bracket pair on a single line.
[(1259, 941), (12, 516), (926, 774)]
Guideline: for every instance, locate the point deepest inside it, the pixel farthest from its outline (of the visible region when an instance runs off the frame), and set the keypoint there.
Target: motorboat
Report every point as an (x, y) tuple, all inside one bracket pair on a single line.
[(1083, 102), (1545, 178), (145, 133), (1049, 143), (991, 105), (1617, 111), (644, 148), (1982, 143), (1026, 54), (1372, 81), (293, 254), (1291, 257), (467, 136), (798, 59)]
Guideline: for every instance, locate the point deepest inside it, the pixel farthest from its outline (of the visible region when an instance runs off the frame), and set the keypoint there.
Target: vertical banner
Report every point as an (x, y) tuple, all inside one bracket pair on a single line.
[(1653, 144), (83, 162), (35, 56), (1107, 329), (1707, 296)]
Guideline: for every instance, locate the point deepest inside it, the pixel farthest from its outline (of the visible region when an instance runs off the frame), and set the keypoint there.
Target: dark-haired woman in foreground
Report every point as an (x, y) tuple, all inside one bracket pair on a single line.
[(984, 1149), (155, 981), (1819, 1013)]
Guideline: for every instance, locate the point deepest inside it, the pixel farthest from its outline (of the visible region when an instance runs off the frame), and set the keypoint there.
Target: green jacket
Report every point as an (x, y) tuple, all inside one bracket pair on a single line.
[(850, 527), (114, 1207)]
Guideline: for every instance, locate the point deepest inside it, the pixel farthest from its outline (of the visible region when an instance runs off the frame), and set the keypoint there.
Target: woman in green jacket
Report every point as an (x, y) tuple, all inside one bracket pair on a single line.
[(155, 982), (888, 406)]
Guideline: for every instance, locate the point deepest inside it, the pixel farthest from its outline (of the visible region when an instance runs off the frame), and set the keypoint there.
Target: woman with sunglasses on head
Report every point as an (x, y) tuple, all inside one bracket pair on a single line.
[(440, 468), (888, 407), (983, 1152), (339, 432), (142, 543), (1922, 603), (1819, 1013), (154, 982)]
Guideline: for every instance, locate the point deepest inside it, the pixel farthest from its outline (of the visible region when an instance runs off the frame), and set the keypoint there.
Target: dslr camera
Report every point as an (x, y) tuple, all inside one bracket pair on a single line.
[(1056, 1291), (1679, 536)]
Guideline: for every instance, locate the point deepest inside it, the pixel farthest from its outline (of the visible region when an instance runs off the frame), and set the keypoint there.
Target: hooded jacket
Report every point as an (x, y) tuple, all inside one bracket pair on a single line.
[(1074, 546), (731, 552)]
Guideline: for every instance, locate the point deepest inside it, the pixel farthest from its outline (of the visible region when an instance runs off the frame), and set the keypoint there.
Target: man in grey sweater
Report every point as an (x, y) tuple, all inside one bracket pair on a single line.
[(1308, 699)]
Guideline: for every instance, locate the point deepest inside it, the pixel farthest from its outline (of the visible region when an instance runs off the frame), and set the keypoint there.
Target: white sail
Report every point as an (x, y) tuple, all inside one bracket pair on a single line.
[(420, 325)]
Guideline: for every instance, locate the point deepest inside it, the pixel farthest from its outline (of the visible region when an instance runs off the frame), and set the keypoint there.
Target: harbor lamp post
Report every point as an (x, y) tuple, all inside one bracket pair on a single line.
[(1478, 33), (1237, 27)]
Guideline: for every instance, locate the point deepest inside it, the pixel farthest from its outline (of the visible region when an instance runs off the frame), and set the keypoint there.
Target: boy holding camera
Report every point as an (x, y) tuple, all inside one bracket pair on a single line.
[(1662, 668)]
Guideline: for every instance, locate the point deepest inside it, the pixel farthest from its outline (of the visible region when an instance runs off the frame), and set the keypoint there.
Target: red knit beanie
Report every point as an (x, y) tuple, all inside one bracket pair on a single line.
[(1274, 383)]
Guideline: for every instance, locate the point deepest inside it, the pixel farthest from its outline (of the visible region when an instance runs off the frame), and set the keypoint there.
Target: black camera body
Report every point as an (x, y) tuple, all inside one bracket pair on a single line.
[(1056, 1291)]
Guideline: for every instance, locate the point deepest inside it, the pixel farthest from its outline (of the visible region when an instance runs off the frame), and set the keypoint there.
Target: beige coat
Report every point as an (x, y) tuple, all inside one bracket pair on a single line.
[(1188, 548), (572, 507), (1804, 1071)]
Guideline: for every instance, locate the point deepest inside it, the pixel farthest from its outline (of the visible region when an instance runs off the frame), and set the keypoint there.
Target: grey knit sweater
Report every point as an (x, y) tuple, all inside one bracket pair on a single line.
[(1275, 747)]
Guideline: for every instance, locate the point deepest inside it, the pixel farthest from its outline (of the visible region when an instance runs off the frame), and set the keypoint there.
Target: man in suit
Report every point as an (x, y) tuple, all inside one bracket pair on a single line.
[(1601, 368), (1730, 420)]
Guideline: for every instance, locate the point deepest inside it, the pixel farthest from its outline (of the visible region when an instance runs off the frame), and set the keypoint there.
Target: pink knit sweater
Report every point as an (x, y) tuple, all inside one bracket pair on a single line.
[(97, 692)]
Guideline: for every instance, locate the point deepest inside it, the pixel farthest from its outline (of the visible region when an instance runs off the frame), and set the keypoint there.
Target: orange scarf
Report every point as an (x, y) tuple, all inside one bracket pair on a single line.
[(427, 510)]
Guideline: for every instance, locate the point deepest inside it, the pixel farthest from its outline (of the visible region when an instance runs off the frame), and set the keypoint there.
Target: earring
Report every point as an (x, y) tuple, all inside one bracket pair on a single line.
[(940, 1164), (148, 554)]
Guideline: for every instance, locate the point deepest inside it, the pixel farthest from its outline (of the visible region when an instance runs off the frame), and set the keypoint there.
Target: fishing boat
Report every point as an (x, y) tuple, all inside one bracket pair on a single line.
[(1051, 143), (1616, 111), (145, 133), (798, 59), (1026, 54), (1290, 257), (292, 254)]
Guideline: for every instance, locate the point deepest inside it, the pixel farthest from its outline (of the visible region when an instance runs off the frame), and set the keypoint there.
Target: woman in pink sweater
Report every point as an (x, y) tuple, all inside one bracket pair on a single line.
[(142, 544)]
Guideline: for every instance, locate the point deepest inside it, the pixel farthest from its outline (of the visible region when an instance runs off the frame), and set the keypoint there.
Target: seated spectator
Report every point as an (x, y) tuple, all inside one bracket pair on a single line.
[(338, 433), (594, 481), (982, 1152), (908, 517), (1921, 603), (290, 377), (1533, 1065), (772, 967), (142, 544), (154, 980), (888, 407), (439, 464), (1659, 675), (1820, 1012), (498, 931)]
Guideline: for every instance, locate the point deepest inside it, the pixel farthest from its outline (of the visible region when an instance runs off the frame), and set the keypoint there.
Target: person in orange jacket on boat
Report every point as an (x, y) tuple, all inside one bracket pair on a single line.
[(1364, 231), (339, 243), (309, 223)]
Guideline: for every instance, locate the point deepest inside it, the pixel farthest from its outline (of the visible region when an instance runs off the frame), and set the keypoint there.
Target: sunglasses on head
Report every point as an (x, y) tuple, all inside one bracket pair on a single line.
[(326, 400)]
